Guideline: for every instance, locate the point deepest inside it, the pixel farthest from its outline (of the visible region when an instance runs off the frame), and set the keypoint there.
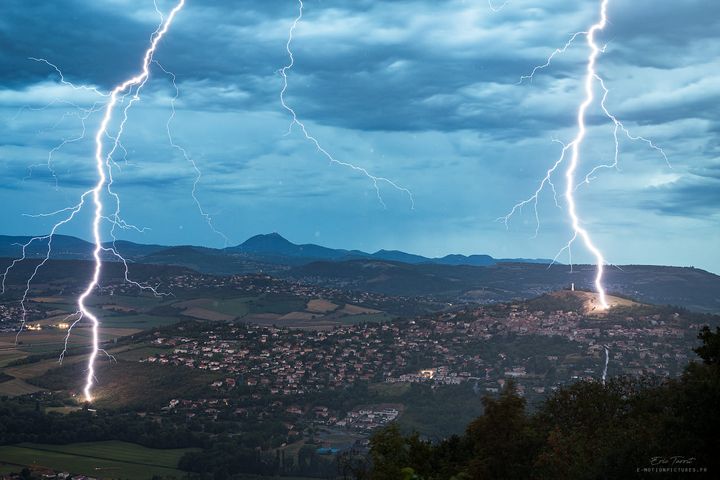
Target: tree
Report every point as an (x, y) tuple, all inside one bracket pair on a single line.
[(502, 440), (388, 453), (709, 351), (696, 425)]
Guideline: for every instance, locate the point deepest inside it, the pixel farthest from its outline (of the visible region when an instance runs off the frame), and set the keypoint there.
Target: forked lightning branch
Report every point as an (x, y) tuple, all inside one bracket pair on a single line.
[(126, 93), (574, 147)]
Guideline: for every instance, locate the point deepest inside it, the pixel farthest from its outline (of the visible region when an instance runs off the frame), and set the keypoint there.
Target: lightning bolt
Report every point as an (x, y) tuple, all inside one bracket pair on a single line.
[(296, 121), (101, 161), (607, 360), (497, 9), (189, 159), (104, 163), (591, 77)]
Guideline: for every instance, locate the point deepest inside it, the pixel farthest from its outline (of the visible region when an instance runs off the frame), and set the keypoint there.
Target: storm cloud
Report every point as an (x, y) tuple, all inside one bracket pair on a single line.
[(423, 92)]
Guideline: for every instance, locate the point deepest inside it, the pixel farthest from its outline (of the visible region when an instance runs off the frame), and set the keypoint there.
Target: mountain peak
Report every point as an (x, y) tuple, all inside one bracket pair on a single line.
[(274, 244), (274, 235), (266, 240)]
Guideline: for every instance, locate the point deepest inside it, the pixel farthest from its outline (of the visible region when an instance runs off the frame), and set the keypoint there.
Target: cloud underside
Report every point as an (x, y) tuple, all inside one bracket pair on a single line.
[(423, 93)]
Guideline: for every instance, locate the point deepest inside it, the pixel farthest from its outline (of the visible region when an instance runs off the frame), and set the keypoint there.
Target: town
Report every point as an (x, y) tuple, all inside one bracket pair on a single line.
[(483, 347)]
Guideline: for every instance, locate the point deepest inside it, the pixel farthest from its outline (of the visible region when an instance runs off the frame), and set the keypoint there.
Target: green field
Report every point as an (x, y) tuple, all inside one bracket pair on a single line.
[(10, 356), (6, 469), (231, 306), (130, 384), (142, 321), (69, 307), (280, 304), (366, 317), (389, 391), (140, 302), (98, 459), (241, 306), (139, 352)]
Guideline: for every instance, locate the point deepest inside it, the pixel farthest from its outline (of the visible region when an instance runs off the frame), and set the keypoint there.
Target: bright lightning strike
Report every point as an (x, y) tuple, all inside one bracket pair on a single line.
[(103, 163), (591, 76), (101, 160), (296, 121)]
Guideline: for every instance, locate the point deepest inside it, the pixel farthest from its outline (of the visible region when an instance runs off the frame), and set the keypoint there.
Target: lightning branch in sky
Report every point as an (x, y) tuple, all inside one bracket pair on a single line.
[(570, 153), (101, 160), (296, 121), (82, 114), (497, 8), (188, 158), (126, 93)]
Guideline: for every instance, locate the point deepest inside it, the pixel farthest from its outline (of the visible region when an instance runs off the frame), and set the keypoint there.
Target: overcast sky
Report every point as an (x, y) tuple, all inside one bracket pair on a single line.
[(424, 93)]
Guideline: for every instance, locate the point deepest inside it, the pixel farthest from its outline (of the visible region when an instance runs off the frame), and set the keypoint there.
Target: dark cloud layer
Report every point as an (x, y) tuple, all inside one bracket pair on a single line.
[(419, 91)]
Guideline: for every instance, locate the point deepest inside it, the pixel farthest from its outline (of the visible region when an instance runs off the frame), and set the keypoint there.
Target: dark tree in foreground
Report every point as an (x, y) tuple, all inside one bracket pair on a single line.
[(585, 431), (709, 351), (502, 440)]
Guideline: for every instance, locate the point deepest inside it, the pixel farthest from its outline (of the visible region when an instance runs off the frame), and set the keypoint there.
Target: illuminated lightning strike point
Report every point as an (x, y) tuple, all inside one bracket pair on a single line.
[(573, 147), (295, 121), (187, 157)]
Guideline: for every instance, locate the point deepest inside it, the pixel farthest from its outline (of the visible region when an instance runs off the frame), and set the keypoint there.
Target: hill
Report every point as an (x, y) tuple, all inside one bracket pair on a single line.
[(688, 287), (453, 278)]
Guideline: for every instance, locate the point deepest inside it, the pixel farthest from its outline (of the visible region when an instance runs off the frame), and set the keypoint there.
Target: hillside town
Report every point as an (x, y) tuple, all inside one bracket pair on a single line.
[(483, 347)]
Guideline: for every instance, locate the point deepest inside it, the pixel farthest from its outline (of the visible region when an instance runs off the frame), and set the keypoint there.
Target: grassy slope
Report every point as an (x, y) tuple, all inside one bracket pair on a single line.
[(131, 384)]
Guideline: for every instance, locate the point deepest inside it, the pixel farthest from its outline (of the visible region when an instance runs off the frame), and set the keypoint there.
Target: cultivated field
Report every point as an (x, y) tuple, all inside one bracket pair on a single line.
[(350, 309), (319, 305), (17, 387), (97, 459)]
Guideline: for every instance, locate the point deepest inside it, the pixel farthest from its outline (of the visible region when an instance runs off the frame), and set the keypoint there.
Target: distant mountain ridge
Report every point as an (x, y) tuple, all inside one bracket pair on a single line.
[(452, 278), (276, 244), (66, 247), (270, 249)]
